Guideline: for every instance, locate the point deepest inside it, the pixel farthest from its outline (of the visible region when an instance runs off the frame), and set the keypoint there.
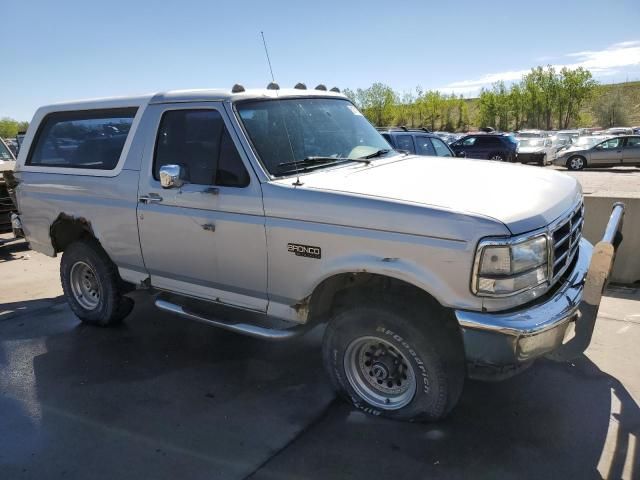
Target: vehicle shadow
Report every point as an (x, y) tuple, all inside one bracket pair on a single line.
[(162, 397), (157, 397), (553, 421)]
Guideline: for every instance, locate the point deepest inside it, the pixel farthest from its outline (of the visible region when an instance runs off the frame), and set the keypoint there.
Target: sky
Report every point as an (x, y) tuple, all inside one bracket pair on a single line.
[(67, 49)]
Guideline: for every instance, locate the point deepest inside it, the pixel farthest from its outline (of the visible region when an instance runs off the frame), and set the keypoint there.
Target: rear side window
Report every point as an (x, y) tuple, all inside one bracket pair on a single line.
[(488, 141), (405, 142), (199, 141), (424, 147), (91, 139)]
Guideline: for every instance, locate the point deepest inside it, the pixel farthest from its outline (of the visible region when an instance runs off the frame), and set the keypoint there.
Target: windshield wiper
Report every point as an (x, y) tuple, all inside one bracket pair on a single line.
[(309, 161), (377, 153)]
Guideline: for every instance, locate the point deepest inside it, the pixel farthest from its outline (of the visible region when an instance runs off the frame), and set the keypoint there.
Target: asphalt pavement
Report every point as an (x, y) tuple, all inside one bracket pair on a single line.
[(164, 398)]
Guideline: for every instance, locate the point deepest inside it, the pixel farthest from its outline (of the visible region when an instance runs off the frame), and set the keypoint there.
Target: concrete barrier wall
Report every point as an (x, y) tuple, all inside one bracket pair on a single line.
[(597, 210)]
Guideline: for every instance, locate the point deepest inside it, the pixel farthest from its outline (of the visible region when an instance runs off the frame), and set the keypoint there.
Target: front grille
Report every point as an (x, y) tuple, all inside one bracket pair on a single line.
[(566, 235)]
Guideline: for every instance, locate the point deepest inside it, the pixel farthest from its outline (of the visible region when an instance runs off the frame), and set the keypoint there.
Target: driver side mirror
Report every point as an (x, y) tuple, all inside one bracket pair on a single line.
[(461, 154), (172, 176)]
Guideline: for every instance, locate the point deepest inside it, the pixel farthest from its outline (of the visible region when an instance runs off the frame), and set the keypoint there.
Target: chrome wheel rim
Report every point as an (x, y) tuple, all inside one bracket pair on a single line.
[(379, 373), (85, 285), (576, 163), (497, 158)]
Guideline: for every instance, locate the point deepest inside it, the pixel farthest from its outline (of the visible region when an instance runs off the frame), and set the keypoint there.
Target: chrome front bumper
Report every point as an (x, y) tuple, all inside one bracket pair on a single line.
[(497, 344)]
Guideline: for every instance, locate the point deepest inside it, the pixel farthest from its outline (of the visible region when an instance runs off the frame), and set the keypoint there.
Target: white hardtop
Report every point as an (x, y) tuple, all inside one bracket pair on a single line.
[(185, 96)]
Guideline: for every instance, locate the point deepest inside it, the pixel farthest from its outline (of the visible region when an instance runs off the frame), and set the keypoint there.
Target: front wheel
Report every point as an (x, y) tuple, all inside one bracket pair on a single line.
[(576, 163), (92, 285), (389, 361)]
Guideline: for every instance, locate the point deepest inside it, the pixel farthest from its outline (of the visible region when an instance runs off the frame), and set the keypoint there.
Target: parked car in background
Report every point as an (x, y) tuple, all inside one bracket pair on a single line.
[(564, 138), (7, 207), (608, 152), (19, 140), (619, 131), (532, 133), (537, 149), (448, 137), (490, 146), (416, 140)]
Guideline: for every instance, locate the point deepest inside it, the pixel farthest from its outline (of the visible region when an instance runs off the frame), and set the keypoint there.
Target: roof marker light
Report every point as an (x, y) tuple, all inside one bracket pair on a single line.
[(237, 88), (300, 86), (273, 86), (321, 87)]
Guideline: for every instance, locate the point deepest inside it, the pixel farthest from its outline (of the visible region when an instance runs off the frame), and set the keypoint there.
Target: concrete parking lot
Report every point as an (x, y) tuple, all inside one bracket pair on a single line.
[(610, 182), (162, 397)]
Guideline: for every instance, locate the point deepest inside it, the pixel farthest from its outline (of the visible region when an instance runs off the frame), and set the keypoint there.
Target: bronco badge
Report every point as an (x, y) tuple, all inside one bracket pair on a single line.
[(304, 250)]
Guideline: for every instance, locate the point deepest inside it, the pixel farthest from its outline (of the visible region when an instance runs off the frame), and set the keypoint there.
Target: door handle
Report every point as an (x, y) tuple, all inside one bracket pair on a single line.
[(151, 198), (209, 227)]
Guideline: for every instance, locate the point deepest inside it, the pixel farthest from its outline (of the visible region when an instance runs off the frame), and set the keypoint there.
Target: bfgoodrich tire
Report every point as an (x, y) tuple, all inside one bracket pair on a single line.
[(395, 361), (92, 285)]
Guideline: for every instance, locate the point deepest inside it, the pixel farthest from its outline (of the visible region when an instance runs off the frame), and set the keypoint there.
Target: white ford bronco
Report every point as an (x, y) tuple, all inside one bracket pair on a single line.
[(268, 212)]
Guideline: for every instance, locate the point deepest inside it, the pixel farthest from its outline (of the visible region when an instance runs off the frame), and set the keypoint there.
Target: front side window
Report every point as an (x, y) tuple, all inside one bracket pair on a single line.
[(198, 141), (424, 147), (611, 144), (290, 134), (467, 142), (91, 139), (441, 149)]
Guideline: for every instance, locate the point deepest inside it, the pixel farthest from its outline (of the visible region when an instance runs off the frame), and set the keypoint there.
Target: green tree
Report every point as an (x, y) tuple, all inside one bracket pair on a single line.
[(9, 128), (577, 86), (487, 109), (378, 102), (463, 115)]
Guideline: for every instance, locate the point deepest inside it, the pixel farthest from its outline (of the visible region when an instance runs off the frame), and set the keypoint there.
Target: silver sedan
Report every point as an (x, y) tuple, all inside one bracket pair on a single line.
[(601, 152)]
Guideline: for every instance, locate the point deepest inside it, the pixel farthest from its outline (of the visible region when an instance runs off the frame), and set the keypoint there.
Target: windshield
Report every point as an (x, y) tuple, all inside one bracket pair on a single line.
[(531, 142), (5, 154), (291, 130)]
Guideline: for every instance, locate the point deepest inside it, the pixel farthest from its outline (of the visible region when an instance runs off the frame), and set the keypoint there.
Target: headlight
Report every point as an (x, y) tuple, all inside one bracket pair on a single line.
[(504, 268)]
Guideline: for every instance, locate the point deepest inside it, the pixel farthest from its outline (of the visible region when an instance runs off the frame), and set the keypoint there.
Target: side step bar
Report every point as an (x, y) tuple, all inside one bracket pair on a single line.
[(251, 330)]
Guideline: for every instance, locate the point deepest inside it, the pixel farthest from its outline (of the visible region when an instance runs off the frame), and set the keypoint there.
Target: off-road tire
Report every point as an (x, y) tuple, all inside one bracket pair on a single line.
[(112, 306), (424, 334), (573, 167)]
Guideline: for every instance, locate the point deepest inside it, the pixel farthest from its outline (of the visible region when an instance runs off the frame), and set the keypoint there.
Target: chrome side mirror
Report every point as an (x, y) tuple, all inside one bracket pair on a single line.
[(172, 176)]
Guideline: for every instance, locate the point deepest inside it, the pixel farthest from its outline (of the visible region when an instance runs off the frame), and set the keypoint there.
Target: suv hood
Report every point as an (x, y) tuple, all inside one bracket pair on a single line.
[(522, 198)]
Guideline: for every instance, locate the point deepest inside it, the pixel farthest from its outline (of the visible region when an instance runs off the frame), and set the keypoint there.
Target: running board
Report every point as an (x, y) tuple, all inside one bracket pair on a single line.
[(251, 330)]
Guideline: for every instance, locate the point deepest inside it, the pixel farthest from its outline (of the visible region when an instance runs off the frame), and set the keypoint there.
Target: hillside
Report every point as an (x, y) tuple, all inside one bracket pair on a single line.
[(629, 91)]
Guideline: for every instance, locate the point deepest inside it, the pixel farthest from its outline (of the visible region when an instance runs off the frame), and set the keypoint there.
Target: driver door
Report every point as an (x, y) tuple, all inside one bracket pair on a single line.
[(607, 153), (206, 238)]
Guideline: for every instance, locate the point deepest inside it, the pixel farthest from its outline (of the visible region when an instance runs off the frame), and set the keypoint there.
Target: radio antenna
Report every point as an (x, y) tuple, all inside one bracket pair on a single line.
[(266, 51)]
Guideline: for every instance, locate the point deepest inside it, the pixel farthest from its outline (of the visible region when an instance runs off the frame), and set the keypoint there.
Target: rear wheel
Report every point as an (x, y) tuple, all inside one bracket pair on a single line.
[(92, 285), (398, 362), (576, 163), (497, 157)]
